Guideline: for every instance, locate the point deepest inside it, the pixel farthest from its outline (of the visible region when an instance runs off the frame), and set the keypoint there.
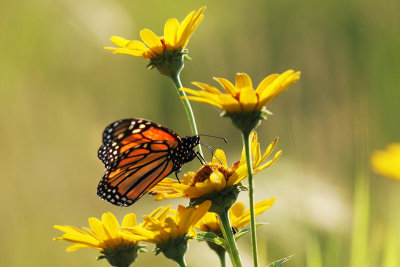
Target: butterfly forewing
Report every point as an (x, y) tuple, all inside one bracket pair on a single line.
[(137, 155)]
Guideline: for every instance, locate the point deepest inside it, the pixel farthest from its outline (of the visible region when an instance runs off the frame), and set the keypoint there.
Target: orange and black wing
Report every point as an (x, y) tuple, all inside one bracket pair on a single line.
[(137, 155)]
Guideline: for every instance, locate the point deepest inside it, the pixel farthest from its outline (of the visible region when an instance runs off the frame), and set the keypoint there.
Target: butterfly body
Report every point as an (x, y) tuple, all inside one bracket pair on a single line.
[(137, 154)]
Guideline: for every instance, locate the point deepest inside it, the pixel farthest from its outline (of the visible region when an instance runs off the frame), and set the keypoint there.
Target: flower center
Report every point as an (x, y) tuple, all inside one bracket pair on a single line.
[(207, 169)]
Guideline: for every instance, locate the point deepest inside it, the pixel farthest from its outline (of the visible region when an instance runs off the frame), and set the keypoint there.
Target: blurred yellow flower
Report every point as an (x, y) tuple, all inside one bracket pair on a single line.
[(215, 176), (242, 97), (119, 247), (160, 227), (387, 162), (238, 217), (176, 36)]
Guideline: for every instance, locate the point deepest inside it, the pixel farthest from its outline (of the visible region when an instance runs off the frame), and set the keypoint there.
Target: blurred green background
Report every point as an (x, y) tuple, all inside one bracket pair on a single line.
[(59, 89)]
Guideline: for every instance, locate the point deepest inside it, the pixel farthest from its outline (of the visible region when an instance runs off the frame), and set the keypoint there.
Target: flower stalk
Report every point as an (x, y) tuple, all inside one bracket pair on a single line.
[(246, 140), (228, 236), (186, 104), (221, 255), (181, 262)]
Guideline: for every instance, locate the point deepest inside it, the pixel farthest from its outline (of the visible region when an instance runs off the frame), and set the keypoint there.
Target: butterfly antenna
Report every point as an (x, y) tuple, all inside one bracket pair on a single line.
[(211, 150), (219, 137)]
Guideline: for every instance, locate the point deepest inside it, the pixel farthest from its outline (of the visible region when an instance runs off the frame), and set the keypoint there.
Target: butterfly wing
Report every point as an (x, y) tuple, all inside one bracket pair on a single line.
[(137, 155)]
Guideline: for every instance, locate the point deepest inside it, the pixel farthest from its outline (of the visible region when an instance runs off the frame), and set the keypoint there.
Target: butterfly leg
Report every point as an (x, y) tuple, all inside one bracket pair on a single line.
[(200, 157), (176, 174)]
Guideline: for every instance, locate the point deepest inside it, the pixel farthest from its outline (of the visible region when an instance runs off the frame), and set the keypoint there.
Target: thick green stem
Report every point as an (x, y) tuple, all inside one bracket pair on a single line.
[(177, 82), (230, 239), (246, 140), (222, 258), (181, 262)]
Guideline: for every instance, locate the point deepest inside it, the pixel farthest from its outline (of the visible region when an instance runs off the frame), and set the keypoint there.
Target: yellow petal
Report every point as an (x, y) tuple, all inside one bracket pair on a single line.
[(218, 180), (244, 219), (207, 88), (292, 79), (111, 224), (200, 211), (79, 246), (187, 27), (170, 32), (269, 149), (203, 100), (152, 41), (208, 223), (137, 45), (171, 227), (269, 163), (242, 157), (203, 94), (386, 162), (267, 81), (129, 220), (126, 51), (97, 227), (239, 175), (145, 235), (219, 157), (119, 41), (164, 212), (184, 217), (227, 85), (192, 232), (69, 229), (237, 209), (263, 205), (229, 103), (242, 81), (248, 99), (276, 87), (82, 239), (257, 155), (183, 29)]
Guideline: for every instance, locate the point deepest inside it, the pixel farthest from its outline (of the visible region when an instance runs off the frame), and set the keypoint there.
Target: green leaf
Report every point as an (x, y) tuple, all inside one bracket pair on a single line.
[(211, 237), (241, 233), (246, 230), (280, 262)]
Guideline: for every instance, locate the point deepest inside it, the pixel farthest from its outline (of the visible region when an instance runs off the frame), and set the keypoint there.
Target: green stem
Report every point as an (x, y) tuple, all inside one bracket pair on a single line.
[(246, 140), (189, 112), (181, 262), (222, 258), (228, 235)]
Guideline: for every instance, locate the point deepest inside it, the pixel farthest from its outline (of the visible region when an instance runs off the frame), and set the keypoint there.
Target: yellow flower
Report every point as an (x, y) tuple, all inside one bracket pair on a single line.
[(101, 235), (176, 36), (169, 232), (242, 97), (106, 236), (238, 217), (215, 180), (387, 162), (160, 226)]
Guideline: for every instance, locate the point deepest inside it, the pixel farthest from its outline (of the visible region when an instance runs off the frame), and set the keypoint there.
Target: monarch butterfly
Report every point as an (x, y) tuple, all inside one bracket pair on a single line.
[(138, 154)]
